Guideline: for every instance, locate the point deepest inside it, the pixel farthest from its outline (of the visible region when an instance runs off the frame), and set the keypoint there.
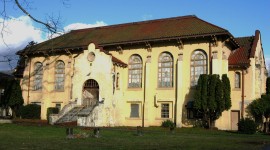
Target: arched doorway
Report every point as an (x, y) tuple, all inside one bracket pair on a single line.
[(90, 93)]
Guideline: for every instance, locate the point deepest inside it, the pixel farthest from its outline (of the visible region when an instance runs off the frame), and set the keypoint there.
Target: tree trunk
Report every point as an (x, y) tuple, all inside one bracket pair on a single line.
[(212, 124), (13, 112), (6, 111), (266, 126)]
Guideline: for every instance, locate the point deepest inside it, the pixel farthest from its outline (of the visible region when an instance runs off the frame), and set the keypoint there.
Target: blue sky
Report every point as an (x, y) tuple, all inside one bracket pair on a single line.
[(240, 17)]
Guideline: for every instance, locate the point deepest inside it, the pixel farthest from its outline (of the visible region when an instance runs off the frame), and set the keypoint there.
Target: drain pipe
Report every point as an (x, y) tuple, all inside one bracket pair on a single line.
[(243, 95), (29, 74), (144, 92)]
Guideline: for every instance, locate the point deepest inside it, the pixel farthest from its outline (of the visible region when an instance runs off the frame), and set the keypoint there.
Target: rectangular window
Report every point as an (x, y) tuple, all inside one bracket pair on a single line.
[(134, 111), (165, 110), (237, 80), (58, 105)]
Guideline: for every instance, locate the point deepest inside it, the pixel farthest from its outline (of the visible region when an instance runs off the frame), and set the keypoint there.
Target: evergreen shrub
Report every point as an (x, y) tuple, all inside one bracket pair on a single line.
[(31, 111), (247, 126), (167, 124), (52, 110)]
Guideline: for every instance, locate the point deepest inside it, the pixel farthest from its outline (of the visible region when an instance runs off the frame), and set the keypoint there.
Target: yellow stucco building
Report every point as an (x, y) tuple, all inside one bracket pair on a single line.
[(140, 74)]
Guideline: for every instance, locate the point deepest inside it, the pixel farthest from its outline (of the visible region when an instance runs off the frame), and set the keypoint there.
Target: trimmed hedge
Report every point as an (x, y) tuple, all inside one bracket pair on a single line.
[(52, 110), (247, 126), (31, 111)]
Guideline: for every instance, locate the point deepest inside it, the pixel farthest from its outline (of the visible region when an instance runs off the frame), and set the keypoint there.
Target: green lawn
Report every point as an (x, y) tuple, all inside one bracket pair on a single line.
[(22, 137)]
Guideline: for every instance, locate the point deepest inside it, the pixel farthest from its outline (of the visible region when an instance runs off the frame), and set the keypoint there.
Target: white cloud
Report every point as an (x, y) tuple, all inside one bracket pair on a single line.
[(17, 33), (267, 61), (75, 26)]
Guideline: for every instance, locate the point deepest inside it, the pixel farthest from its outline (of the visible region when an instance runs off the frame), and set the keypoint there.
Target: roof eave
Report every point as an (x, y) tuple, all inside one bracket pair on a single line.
[(164, 38)]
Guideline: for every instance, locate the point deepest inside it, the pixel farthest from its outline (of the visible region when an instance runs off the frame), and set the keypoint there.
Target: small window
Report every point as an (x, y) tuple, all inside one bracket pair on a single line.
[(191, 112), (58, 105), (165, 110), (237, 80), (134, 113)]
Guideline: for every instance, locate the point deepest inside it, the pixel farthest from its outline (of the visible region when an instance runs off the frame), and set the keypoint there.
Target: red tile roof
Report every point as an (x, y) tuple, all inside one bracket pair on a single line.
[(241, 56), (153, 30)]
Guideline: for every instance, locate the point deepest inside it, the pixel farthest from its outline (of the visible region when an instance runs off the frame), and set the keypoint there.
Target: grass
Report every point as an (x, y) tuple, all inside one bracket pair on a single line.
[(14, 136)]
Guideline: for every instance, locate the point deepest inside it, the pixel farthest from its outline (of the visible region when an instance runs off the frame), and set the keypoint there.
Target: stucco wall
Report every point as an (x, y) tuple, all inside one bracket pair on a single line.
[(115, 103)]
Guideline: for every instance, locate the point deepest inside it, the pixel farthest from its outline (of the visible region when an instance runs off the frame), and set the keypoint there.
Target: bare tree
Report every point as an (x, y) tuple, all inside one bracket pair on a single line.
[(52, 24)]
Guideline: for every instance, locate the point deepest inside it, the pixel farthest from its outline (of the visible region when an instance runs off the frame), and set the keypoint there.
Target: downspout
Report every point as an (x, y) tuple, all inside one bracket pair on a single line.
[(144, 92), (210, 58), (29, 73), (176, 94), (243, 94)]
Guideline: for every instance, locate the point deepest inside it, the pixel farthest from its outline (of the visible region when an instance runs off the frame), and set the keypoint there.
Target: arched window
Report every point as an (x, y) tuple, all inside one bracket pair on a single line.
[(59, 75), (237, 80), (38, 75), (165, 70), (135, 72), (198, 66)]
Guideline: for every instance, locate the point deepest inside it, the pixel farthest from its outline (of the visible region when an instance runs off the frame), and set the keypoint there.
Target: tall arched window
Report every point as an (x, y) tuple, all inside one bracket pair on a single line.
[(165, 70), (198, 66), (135, 72), (237, 80), (59, 75), (38, 75)]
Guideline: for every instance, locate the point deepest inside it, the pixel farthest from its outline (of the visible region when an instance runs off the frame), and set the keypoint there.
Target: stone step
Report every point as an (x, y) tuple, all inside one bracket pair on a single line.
[(70, 116)]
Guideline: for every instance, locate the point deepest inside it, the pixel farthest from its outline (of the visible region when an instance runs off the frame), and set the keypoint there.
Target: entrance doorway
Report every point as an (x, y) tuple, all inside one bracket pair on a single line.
[(235, 117), (90, 93)]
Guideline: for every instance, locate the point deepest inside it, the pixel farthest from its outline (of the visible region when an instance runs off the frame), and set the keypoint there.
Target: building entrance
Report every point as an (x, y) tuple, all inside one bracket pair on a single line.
[(90, 93)]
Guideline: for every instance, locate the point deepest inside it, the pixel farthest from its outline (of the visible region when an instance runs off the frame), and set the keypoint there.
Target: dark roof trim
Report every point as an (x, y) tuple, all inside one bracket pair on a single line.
[(170, 38), (255, 43), (240, 66)]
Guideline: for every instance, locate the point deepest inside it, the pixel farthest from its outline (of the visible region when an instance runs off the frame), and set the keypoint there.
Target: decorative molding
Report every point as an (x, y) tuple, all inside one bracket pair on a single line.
[(215, 55), (224, 57), (148, 60), (180, 44), (214, 41), (180, 56), (148, 46), (120, 49), (69, 63), (68, 52)]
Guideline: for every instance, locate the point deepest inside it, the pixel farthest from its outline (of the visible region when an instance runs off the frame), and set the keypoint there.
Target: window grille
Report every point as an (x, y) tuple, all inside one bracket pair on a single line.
[(165, 110), (59, 75), (237, 80), (38, 75), (165, 70), (134, 112), (135, 72), (198, 66)]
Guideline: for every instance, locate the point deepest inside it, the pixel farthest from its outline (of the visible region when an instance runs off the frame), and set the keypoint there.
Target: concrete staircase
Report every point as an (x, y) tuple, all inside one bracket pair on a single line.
[(86, 110), (70, 116)]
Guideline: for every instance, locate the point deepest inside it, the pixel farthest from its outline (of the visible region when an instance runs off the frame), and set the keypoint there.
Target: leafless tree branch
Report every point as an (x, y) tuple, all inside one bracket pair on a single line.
[(49, 26)]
